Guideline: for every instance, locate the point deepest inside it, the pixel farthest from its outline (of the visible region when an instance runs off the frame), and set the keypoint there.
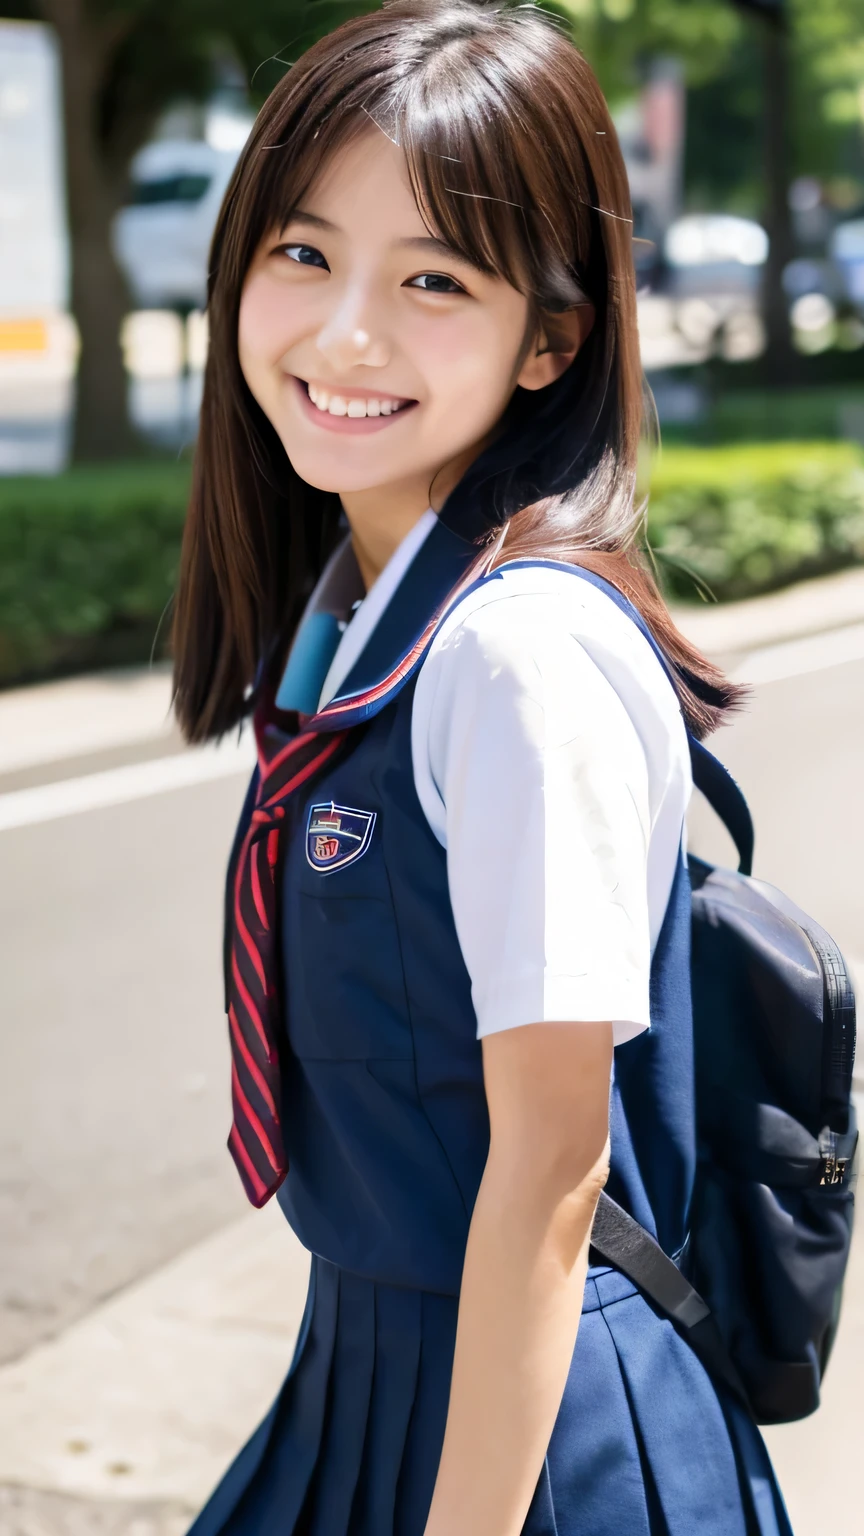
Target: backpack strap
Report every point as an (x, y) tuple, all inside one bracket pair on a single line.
[(622, 1242), (726, 799)]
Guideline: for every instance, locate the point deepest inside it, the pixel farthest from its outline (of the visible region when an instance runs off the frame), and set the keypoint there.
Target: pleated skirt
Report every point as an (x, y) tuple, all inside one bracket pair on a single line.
[(643, 1445)]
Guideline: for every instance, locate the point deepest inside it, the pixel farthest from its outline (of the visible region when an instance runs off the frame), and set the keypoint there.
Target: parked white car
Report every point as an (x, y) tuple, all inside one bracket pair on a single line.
[(162, 237), (713, 271), (715, 253)]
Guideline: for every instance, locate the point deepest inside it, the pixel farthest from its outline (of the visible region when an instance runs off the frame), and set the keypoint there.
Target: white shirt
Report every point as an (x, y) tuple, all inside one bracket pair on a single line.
[(550, 759)]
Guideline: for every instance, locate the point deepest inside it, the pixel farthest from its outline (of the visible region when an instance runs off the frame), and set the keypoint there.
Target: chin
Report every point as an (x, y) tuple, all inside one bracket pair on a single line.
[(332, 480), (326, 473)]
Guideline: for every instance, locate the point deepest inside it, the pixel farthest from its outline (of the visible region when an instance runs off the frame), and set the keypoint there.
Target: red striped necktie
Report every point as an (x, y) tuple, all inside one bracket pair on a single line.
[(254, 1016)]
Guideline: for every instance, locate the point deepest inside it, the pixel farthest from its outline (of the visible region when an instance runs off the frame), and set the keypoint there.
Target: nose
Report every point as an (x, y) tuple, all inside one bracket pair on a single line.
[(350, 337)]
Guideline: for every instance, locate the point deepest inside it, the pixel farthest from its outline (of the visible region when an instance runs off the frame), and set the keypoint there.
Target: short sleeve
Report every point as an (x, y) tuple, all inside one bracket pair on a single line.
[(533, 776)]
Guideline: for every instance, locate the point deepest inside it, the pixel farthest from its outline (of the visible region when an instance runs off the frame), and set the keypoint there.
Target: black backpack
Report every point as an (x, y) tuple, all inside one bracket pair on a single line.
[(756, 1290)]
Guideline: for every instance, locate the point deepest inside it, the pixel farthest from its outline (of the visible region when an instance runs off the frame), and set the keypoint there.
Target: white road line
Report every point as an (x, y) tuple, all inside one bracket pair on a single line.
[(116, 786), (793, 658)]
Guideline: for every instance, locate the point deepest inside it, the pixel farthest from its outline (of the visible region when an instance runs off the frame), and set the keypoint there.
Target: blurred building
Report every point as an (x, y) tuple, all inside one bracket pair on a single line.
[(651, 131), (34, 246), (37, 337)]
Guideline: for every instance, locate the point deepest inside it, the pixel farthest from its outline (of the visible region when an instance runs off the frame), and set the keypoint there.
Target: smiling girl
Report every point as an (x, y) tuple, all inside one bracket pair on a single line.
[(457, 958)]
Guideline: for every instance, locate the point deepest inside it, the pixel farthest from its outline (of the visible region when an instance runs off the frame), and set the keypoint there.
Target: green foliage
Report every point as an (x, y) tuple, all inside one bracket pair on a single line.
[(88, 560), (718, 45), (753, 463), (268, 35), (619, 35), (819, 411), (750, 518)]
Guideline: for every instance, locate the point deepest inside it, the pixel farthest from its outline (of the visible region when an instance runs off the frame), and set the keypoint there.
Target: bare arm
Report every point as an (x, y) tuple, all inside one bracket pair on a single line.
[(547, 1087)]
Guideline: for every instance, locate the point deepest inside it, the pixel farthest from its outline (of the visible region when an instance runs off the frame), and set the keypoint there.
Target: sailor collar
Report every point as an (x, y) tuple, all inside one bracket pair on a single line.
[(404, 609)]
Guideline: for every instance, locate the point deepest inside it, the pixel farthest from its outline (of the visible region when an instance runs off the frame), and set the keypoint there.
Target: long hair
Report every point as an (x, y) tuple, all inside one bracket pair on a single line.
[(514, 162)]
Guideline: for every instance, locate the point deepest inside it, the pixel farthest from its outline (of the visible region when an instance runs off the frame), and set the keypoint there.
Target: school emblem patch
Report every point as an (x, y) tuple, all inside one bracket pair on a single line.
[(337, 835)]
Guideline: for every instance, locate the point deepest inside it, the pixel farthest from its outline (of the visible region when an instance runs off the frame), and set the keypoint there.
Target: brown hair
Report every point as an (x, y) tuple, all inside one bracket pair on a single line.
[(515, 163)]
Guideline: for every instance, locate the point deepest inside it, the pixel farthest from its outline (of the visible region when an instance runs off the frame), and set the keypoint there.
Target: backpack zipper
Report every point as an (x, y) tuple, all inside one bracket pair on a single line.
[(833, 1167)]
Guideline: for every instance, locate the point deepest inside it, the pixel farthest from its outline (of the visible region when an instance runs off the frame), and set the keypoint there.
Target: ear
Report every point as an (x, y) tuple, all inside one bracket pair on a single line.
[(554, 346)]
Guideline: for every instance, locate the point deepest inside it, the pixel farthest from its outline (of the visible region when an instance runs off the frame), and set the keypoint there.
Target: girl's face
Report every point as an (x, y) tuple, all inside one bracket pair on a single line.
[(380, 357)]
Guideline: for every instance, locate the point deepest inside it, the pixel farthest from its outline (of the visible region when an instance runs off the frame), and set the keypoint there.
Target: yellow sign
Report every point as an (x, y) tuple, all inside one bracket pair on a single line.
[(23, 336)]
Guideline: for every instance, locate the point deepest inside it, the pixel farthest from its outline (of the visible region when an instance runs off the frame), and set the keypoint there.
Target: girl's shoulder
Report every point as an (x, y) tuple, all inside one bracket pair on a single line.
[(535, 620), (544, 725)]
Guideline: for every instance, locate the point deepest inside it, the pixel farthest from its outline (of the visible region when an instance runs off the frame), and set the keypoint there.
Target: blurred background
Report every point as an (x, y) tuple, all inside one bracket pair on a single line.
[(145, 1320)]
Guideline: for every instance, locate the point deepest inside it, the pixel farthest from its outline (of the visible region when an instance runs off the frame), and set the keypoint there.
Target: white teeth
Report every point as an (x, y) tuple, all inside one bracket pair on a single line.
[(339, 405)]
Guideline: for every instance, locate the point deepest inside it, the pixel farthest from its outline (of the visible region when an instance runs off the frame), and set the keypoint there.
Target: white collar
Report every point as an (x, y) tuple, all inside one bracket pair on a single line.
[(366, 615)]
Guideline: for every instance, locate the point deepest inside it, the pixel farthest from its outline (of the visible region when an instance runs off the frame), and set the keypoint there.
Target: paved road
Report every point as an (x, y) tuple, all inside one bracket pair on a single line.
[(113, 1058), (798, 753)]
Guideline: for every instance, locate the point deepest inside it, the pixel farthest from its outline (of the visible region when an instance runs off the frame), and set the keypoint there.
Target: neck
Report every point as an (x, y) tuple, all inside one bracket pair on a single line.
[(379, 520)]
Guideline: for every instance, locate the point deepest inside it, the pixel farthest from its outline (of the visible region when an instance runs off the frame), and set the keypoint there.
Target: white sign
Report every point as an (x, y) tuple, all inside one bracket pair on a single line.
[(34, 244)]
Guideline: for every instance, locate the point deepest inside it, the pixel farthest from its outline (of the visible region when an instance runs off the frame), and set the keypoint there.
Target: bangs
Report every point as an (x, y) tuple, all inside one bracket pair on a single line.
[(464, 146), (497, 176)]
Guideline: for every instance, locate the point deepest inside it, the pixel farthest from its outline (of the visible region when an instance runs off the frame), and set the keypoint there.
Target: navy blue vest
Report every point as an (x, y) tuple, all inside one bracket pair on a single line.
[(385, 1114)]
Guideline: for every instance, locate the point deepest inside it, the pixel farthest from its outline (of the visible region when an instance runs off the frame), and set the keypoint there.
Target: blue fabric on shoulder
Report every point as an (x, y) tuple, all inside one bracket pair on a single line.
[(308, 663)]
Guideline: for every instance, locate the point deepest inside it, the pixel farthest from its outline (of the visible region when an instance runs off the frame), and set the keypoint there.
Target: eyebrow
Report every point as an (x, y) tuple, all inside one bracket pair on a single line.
[(299, 217), (435, 247), (428, 244)]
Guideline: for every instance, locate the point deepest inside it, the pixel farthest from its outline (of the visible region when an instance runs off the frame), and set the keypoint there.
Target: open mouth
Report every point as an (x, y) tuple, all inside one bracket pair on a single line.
[(354, 407)]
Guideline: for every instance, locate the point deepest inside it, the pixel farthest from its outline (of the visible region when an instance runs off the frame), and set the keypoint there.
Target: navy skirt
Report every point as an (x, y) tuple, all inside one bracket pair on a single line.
[(642, 1445)]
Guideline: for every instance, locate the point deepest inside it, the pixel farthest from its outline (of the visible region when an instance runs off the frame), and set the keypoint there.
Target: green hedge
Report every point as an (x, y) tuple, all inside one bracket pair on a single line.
[(88, 559), (744, 520), (88, 562)]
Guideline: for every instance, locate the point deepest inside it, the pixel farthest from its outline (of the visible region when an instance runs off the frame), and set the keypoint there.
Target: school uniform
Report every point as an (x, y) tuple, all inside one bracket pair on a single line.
[(498, 842)]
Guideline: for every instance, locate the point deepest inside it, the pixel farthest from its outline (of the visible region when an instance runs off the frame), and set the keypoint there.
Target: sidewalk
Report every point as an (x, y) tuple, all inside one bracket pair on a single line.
[(732, 630), (51, 722), (124, 1423)]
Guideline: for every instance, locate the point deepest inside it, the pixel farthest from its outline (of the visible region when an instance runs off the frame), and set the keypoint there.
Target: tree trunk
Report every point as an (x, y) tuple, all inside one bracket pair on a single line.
[(780, 354), (99, 299)]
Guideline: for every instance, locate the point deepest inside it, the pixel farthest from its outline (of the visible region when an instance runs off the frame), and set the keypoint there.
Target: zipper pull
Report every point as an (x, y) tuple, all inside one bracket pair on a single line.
[(833, 1167)]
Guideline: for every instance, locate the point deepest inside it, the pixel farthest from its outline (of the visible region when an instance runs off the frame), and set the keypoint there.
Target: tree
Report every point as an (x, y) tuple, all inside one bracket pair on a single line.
[(123, 62), (619, 36), (777, 215), (812, 59), (784, 76)]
